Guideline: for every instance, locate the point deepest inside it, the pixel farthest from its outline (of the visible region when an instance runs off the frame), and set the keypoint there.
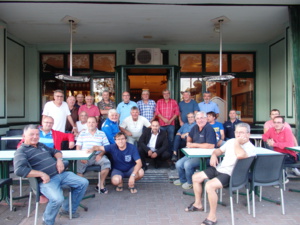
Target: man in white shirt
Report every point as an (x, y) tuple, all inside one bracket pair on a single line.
[(133, 125), (59, 111), (236, 148), (82, 123)]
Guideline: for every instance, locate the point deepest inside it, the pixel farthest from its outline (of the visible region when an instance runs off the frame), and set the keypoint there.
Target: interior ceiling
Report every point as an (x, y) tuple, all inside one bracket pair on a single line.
[(161, 22)]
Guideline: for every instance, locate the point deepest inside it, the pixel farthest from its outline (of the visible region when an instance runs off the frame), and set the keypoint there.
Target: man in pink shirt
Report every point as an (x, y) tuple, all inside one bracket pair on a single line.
[(279, 137), (90, 108), (167, 110), (270, 123)]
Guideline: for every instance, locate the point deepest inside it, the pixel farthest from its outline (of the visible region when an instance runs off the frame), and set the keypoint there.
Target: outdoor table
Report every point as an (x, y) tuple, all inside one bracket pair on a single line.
[(296, 149), (10, 138), (257, 139), (8, 155)]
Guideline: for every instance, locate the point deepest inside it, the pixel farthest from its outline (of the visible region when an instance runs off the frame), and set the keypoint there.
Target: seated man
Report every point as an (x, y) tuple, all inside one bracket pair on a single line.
[(202, 135), (218, 127), (110, 127), (279, 137), (34, 159), (181, 136), (237, 148), (133, 125), (229, 125), (82, 123), (154, 144), (126, 162), (86, 140)]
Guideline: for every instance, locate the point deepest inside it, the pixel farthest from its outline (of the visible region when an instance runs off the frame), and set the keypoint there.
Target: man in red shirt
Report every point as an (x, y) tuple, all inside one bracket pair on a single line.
[(167, 110), (90, 108)]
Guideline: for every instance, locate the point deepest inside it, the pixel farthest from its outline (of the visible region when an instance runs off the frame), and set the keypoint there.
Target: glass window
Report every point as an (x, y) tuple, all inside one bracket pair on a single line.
[(80, 61), (242, 63), (103, 84), (212, 63), (104, 62), (52, 62), (191, 62), (193, 85)]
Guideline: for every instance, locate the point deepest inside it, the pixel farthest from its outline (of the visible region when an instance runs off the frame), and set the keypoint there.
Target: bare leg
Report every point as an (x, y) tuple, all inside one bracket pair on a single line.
[(117, 181), (103, 175)]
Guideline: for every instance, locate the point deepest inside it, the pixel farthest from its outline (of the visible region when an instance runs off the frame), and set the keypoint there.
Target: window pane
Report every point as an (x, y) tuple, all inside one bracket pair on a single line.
[(191, 62), (104, 62), (193, 85), (52, 62), (80, 61), (242, 98), (212, 63), (103, 84), (242, 63)]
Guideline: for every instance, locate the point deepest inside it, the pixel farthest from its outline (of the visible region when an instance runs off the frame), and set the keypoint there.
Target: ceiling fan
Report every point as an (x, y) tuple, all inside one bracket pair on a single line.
[(70, 78), (226, 77)]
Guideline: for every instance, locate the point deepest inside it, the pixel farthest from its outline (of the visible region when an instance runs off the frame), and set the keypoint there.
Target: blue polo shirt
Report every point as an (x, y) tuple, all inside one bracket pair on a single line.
[(185, 128), (110, 128), (209, 107), (46, 139), (206, 135), (186, 108), (229, 128), (124, 109)]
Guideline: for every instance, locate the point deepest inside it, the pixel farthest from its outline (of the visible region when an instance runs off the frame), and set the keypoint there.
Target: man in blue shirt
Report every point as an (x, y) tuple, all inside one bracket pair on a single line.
[(229, 125), (124, 107), (147, 106), (207, 105), (187, 105), (218, 127), (111, 127), (126, 162)]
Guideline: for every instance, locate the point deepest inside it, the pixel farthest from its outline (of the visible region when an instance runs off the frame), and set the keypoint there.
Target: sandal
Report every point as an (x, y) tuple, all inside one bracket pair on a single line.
[(102, 191), (192, 208), (209, 222), (132, 190), (119, 188)]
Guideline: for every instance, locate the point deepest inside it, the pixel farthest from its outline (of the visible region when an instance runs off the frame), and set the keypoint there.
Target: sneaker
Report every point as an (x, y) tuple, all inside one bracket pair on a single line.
[(186, 185), (296, 171), (177, 182), (174, 158), (66, 213), (102, 191)]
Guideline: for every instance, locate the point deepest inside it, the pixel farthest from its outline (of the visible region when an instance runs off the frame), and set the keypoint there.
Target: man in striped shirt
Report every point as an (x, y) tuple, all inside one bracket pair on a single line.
[(34, 159), (86, 140)]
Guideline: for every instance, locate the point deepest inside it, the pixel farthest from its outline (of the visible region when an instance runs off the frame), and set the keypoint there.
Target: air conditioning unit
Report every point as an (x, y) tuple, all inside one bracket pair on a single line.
[(148, 56)]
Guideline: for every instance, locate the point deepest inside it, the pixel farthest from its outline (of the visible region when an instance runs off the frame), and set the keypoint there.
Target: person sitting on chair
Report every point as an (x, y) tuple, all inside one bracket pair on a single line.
[(34, 159), (236, 148), (86, 140), (110, 127), (126, 162), (82, 123)]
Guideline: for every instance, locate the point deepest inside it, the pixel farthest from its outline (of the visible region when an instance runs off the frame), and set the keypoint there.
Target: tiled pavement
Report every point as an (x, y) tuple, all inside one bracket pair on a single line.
[(162, 203)]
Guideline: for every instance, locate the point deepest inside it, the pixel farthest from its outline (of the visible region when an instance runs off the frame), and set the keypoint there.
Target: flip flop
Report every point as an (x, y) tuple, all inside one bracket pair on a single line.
[(119, 188), (209, 222), (132, 190), (192, 208)]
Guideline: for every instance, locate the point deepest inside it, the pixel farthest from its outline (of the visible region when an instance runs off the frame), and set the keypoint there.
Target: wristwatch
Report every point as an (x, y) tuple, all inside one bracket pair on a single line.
[(133, 175)]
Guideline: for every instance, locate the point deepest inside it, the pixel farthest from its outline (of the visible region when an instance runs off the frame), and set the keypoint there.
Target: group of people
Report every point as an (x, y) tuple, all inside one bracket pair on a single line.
[(124, 135)]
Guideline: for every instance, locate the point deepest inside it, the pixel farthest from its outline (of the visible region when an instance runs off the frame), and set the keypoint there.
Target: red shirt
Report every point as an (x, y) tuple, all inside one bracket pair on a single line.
[(167, 110), (283, 139), (92, 111)]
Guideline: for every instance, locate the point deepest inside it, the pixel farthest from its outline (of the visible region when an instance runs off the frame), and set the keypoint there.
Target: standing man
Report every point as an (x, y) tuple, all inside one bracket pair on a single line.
[(154, 144), (167, 110), (229, 125), (74, 112), (218, 127), (133, 125), (124, 107), (59, 111), (270, 123), (111, 127), (105, 104), (126, 162), (147, 106), (87, 139), (207, 105), (79, 100), (34, 159), (219, 175), (187, 105), (90, 108), (202, 135)]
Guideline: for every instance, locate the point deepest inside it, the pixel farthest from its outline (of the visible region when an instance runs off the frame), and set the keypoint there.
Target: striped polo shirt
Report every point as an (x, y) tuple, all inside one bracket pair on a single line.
[(46, 139), (86, 140)]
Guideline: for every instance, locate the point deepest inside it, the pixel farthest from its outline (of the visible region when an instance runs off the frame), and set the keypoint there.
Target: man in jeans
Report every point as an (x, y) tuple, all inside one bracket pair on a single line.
[(34, 159)]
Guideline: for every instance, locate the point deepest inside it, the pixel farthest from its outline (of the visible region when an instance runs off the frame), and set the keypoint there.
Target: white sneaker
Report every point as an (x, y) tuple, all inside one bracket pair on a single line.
[(186, 185), (296, 171), (177, 182)]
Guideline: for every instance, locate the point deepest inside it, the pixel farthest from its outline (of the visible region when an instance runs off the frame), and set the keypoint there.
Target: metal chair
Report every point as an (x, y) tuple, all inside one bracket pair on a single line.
[(35, 188), (95, 168), (239, 179), (267, 171), (8, 182)]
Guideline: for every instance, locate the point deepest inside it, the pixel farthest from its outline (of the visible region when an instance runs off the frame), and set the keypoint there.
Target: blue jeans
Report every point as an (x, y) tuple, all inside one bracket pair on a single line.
[(170, 130), (178, 144), (186, 167), (52, 190)]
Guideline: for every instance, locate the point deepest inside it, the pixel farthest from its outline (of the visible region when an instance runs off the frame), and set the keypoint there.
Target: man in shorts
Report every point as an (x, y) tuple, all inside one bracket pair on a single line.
[(125, 160), (236, 148)]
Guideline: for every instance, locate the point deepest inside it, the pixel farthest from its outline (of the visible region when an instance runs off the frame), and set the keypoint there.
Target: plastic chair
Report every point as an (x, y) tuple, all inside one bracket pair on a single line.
[(294, 165), (35, 188), (267, 171), (8, 182), (12, 145), (238, 180), (95, 168)]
